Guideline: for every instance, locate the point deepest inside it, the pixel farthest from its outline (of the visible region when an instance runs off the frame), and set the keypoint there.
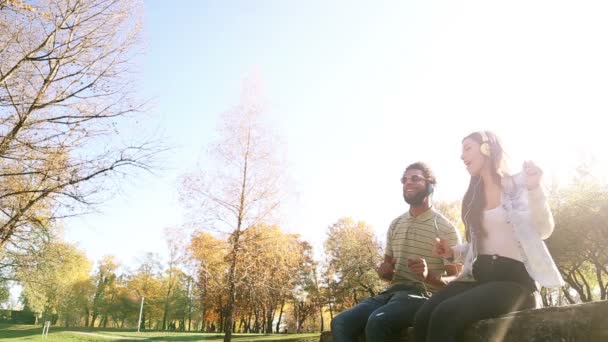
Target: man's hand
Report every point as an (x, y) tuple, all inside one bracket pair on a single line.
[(386, 270), (418, 266), (442, 249)]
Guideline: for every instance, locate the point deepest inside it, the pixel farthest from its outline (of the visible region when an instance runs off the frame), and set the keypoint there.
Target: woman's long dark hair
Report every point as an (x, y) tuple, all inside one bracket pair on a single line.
[(474, 199)]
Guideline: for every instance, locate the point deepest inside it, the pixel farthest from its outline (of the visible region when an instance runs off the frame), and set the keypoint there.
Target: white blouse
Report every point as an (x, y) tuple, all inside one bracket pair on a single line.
[(500, 235)]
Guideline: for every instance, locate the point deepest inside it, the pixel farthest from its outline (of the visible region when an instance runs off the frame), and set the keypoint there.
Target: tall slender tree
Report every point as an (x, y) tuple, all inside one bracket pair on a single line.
[(243, 189)]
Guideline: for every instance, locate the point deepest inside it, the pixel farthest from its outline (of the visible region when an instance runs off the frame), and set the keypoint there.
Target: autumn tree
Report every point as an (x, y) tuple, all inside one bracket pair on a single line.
[(64, 93), (451, 210), (124, 309), (352, 252), (242, 188), (173, 273), (22, 253), (274, 275), (270, 261), (209, 256), (105, 289), (75, 305), (61, 271), (146, 281)]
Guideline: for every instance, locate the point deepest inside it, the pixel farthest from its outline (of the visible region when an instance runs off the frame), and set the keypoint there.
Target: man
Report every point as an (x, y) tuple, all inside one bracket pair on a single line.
[(409, 264)]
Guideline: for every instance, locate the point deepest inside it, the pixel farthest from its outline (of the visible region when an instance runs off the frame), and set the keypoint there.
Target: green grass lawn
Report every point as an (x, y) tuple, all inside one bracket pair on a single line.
[(56, 334)]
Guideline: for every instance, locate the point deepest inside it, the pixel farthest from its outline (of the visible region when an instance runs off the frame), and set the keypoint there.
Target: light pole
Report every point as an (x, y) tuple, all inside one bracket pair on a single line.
[(141, 309)]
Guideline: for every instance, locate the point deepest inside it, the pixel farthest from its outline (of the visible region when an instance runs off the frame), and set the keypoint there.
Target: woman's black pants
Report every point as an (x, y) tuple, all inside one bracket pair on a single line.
[(501, 285)]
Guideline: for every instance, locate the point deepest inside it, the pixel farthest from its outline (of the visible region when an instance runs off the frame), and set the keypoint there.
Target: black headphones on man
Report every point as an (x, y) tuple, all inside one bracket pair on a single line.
[(430, 187)]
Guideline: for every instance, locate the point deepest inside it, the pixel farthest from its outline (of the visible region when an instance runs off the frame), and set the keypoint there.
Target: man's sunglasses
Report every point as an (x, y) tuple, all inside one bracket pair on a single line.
[(413, 179)]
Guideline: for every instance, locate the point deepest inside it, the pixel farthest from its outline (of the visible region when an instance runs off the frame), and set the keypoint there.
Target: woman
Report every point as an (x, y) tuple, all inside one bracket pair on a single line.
[(506, 218)]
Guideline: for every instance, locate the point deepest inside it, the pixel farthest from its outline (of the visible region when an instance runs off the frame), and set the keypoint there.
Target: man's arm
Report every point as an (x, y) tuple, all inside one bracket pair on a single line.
[(448, 236)]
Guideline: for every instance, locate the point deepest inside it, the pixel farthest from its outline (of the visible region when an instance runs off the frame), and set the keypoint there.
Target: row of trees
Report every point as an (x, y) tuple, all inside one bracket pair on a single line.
[(277, 288), (63, 289)]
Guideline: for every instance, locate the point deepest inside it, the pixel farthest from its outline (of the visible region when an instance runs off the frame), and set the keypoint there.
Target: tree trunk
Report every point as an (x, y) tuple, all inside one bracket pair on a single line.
[(296, 314), (280, 316), (256, 321), (142, 324), (93, 319), (86, 317), (189, 316), (222, 319), (242, 324), (600, 280), (269, 319), (188, 304), (166, 306), (321, 316), (231, 289)]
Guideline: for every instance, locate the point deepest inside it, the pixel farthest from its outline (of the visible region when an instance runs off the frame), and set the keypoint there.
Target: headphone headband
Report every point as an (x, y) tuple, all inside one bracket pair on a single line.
[(484, 136)]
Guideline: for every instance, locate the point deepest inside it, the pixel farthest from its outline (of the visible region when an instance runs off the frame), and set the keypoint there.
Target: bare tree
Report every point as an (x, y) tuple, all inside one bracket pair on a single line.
[(243, 189), (64, 88), (578, 243)]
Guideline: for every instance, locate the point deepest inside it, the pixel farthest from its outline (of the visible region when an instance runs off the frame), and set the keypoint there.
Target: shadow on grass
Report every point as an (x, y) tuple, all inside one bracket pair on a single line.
[(15, 331)]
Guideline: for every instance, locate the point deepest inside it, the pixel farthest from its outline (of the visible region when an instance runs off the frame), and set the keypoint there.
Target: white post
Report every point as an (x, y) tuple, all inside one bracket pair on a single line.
[(45, 330), (141, 309)]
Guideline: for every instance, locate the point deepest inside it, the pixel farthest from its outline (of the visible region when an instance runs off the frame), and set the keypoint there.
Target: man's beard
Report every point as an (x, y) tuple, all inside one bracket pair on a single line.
[(417, 199)]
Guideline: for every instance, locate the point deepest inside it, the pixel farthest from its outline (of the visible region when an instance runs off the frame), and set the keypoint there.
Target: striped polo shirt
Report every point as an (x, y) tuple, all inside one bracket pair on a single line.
[(413, 237)]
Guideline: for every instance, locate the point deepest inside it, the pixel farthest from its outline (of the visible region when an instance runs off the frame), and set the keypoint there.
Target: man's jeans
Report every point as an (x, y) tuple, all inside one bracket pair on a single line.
[(383, 317)]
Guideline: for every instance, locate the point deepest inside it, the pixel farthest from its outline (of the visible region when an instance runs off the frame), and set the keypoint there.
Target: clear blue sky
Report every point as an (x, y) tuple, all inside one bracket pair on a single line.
[(357, 90)]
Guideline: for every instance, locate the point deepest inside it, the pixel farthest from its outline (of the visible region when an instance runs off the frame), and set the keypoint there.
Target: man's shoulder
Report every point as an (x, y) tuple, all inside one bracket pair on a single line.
[(399, 219), (442, 220)]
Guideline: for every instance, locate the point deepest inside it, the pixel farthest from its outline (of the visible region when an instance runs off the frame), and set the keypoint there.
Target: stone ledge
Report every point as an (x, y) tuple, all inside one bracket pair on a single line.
[(573, 323), (586, 322)]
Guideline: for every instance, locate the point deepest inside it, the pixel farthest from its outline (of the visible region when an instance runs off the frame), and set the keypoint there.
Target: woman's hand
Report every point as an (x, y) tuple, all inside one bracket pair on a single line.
[(442, 249), (533, 175)]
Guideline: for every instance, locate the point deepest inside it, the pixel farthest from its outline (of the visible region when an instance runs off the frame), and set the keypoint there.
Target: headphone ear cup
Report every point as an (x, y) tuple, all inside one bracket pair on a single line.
[(430, 188), (484, 148)]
